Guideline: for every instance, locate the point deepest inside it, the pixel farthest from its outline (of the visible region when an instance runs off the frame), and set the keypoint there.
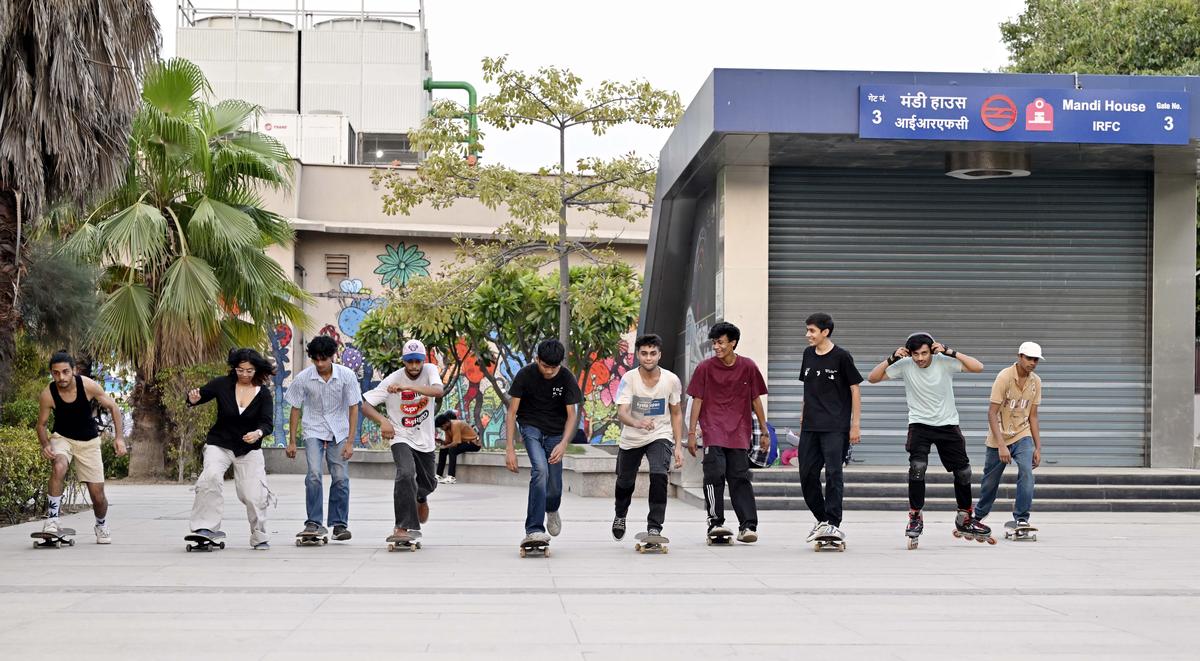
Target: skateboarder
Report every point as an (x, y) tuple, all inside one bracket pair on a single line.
[(460, 438), (829, 423), (409, 392), (244, 418), (327, 396), (652, 426), (543, 399), (75, 438), (1013, 432), (927, 369), (725, 389)]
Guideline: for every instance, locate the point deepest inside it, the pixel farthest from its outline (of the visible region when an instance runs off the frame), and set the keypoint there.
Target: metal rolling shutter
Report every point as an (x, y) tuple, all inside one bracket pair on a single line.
[(1061, 259)]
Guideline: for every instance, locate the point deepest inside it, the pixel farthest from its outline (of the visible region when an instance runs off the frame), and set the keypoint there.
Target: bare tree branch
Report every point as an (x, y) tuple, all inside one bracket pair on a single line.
[(605, 182), (571, 120)]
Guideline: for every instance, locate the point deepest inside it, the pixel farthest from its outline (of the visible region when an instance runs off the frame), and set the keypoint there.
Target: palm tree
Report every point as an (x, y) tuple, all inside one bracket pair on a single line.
[(182, 242), (69, 73)]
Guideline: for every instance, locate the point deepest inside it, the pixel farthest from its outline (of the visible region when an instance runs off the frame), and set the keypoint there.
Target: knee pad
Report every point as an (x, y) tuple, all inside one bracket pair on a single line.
[(963, 475), (916, 470)]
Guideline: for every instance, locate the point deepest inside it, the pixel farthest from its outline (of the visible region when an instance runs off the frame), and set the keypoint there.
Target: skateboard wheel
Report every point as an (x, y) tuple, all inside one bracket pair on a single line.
[(664, 549), (637, 547), (298, 542), (324, 540), (522, 553), (35, 545), (991, 540), (189, 548), (547, 552), (708, 542), (221, 545), (391, 547), (70, 542)]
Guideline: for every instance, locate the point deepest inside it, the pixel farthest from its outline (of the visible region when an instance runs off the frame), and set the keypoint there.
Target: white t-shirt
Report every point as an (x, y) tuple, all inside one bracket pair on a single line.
[(929, 390), (646, 402), (411, 413)]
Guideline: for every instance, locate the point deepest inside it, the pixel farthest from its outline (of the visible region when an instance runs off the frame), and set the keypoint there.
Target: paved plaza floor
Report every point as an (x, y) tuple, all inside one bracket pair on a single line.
[(1095, 586)]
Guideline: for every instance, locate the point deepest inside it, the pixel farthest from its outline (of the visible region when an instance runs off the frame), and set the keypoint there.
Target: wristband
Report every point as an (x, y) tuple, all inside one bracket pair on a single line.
[(892, 359), (950, 352)]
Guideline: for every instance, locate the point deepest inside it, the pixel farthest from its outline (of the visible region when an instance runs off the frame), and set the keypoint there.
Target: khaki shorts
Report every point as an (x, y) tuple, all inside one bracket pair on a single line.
[(89, 467)]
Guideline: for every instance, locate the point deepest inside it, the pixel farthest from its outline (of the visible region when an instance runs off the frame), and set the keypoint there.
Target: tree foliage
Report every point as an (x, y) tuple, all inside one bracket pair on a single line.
[(538, 203), (182, 244), (1106, 37)]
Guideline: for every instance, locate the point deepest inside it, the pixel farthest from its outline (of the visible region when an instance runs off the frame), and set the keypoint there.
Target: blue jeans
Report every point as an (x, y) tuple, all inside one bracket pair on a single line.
[(319, 453), (993, 469), (545, 479)]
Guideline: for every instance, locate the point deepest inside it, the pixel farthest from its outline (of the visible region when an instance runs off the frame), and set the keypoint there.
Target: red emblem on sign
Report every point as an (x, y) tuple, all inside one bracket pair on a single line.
[(267, 126), (1039, 116), (999, 113)]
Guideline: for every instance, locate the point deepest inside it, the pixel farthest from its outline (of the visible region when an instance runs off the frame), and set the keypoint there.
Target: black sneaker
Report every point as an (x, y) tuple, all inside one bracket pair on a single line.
[(654, 532), (311, 527), (341, 533), (618, 528)]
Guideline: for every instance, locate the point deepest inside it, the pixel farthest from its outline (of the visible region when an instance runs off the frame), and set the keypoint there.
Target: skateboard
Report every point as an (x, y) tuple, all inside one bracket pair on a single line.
[(1019, 533), (47, 540), (969, 536), (316, 538), (650, 543), (202, 542), (535, 547), (403, 543), (829, 543), (719, 537)]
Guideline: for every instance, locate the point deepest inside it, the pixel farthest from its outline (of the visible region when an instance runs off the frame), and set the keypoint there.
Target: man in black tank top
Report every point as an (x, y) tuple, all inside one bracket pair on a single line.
[(75, 438)]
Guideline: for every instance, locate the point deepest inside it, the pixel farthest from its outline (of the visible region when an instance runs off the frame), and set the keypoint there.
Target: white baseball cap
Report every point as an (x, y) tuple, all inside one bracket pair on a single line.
[(414, 350), (1030, 349)]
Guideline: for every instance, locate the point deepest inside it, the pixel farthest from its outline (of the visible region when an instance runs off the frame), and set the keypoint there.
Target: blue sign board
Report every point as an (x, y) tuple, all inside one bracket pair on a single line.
[(925, 112)]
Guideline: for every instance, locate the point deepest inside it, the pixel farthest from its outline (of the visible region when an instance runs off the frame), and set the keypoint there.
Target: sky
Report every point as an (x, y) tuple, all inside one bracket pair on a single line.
[(675, 44)]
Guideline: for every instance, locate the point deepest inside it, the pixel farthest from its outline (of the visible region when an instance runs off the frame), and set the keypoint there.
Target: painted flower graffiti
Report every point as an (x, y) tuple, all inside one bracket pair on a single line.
[(399, 264)]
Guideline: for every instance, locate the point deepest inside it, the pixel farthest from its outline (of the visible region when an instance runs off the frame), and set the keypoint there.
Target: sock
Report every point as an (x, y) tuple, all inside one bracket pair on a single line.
[(55, 502), (100, 521)]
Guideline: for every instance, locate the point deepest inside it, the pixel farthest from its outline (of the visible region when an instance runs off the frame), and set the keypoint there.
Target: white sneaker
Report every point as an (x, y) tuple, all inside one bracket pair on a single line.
[(553, 523), (815, 532), (102, 535), (441, 480), (833, 531), (451, 480), (51, 527)]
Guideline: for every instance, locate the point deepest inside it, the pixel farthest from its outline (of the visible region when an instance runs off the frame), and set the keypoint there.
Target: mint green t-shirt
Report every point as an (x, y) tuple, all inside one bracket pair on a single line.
[(929, 391)]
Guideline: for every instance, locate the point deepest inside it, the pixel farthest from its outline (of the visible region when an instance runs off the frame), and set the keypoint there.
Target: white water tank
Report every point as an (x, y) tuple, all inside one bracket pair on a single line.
[(257, 62)]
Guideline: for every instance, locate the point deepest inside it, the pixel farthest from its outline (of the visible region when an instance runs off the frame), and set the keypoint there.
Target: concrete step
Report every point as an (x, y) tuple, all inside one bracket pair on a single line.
[(695, 496), (1045, 475), (1007, 490)]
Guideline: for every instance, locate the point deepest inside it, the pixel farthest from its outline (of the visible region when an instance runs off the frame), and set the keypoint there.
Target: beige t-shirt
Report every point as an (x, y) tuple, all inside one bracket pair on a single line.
[(1015, 405), (648, 402)]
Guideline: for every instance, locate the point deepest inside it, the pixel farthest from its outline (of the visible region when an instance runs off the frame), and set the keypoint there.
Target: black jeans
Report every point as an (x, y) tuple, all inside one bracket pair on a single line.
[(659, 454), (414, 482), (823, 449), (730, 465), (452, 453), (952, 450)]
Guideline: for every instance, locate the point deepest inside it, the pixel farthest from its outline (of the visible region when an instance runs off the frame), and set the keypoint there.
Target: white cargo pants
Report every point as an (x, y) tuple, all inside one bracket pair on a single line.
[(250, 481)]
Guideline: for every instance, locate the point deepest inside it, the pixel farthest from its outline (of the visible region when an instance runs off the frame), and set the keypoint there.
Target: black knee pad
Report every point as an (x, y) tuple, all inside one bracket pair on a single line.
[(963, 475), (916, 470)]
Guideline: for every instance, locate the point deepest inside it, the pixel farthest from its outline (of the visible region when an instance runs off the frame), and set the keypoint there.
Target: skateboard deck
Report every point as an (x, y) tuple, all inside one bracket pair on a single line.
[(317, 538), (533, 548), (720, 537), (829, 543), (648, 543), (48, 540), (403, 543), (204, 542), (1019, 533), (979, 538)]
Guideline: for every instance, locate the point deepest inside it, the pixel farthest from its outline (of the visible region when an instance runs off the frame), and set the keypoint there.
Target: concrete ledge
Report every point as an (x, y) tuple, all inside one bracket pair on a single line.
[(591, 474)]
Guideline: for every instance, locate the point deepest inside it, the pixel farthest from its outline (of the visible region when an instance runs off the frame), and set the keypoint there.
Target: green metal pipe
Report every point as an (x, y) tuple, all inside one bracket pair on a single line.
[(471, 116)]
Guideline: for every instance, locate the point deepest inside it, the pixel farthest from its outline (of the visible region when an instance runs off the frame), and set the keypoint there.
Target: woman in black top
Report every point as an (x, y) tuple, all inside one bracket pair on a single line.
[(244, 417)]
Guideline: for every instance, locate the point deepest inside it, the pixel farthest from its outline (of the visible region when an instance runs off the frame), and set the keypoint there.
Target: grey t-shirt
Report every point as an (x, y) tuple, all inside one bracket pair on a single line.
[(929, 391)]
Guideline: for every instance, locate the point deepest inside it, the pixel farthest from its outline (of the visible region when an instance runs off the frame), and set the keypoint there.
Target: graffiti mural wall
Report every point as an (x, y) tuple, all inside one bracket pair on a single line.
[(341, 309)]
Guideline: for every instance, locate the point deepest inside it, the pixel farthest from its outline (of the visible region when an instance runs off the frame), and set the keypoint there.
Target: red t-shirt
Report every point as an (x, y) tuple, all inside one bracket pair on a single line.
[(727, 392)]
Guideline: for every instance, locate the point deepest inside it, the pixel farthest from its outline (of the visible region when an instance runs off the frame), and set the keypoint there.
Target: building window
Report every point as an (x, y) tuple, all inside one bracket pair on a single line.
[(385, 148), (337, 266)]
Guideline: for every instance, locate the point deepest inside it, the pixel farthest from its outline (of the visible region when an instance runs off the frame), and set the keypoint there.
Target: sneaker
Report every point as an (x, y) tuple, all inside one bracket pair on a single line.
[(102, 535), (262, 546), (815, 532), (618, 528), (536, 537), (450, 480), (341, 533), (422, 512), (51, 527), (1022, 523), (441, 480), (654, 532), (747, 535), (833, 531), (553, 523), (311, 527)]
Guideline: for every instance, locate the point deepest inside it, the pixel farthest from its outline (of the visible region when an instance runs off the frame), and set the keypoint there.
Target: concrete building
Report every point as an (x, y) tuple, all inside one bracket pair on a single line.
[(1068, 218)]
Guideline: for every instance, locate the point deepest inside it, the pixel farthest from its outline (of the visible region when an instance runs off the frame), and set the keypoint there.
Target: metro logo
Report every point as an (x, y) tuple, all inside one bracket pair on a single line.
[(998, 113)]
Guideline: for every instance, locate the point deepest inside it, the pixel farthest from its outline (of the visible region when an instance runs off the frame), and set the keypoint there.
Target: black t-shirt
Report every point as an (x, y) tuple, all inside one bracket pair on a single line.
[(544, 401), (827, 380)]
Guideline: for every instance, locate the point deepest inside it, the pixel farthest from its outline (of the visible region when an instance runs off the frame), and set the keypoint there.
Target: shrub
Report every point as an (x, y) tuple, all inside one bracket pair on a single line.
[(115, 467), (24, 474), (21, 412)]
